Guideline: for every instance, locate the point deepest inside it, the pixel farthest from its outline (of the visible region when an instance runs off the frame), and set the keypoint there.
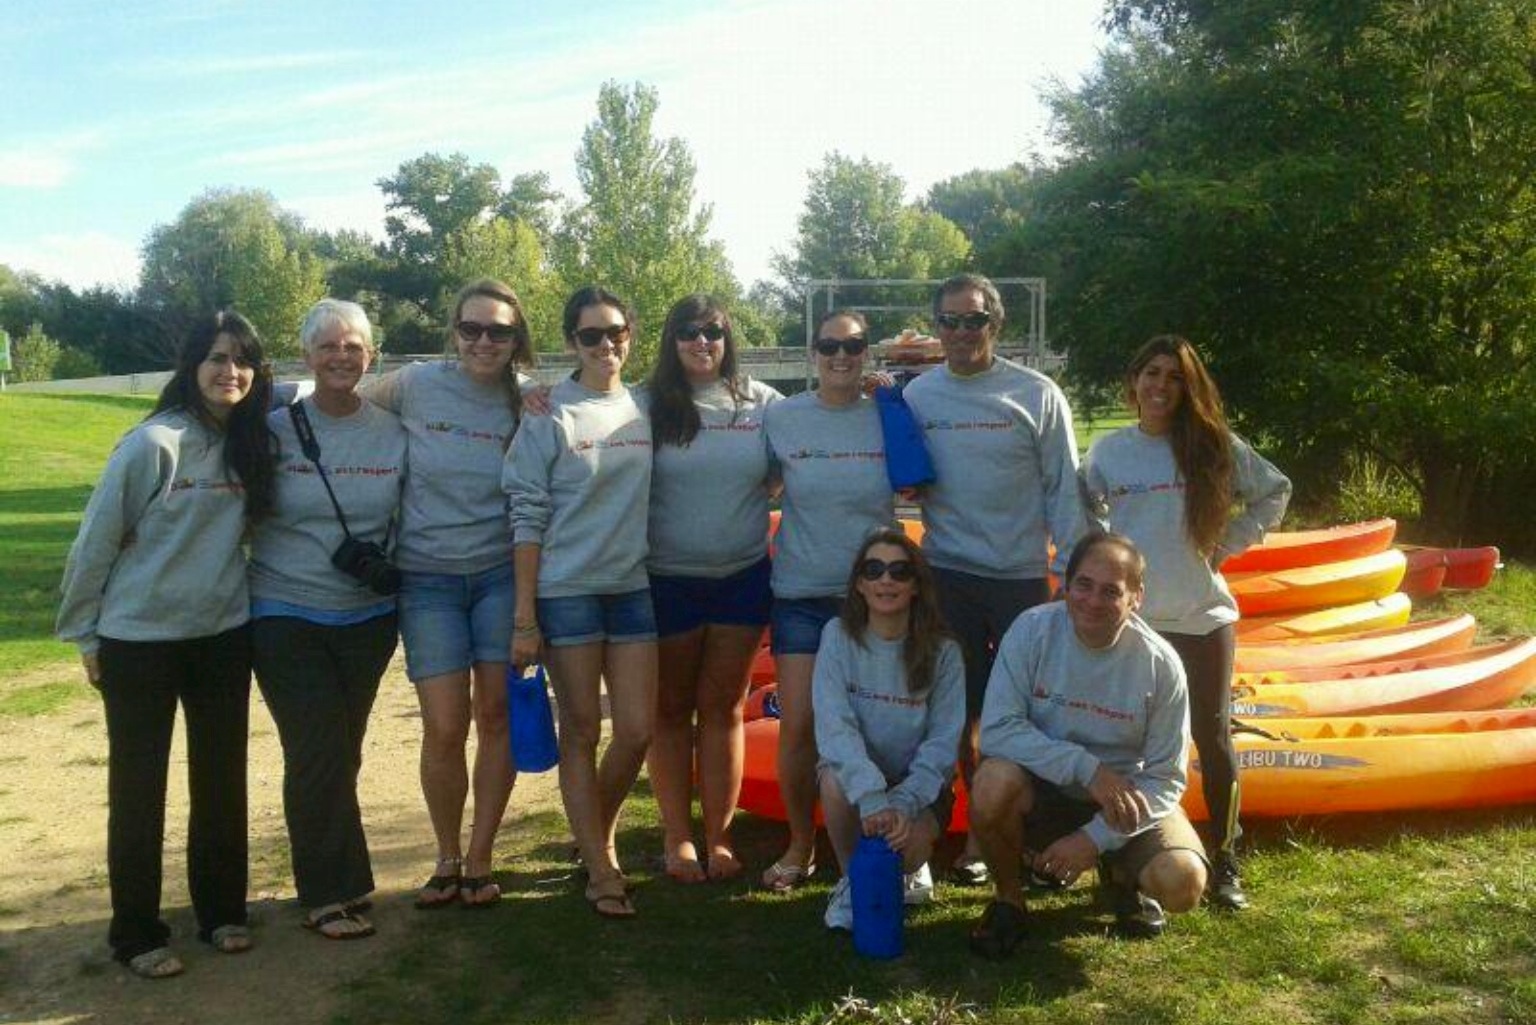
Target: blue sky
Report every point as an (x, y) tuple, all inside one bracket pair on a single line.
[(114, 116)]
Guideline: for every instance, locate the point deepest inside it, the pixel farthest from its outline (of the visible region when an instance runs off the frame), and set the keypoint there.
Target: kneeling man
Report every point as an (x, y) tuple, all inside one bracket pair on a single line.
[(1083, 735)]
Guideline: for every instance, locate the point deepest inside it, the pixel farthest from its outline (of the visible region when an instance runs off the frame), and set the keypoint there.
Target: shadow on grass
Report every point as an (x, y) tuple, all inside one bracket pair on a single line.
[(723, 951)]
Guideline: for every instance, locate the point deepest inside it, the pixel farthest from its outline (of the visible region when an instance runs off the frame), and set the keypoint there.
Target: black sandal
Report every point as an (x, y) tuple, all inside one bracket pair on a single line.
[(1000, 929), (339, 914), (441, 883), (473, 885)]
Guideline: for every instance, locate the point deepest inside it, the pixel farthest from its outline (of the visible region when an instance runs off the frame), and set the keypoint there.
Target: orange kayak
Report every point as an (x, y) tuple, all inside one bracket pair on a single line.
[(1289, 549), (1372, 763), (1466, 569), (1367, 670), (1494, 679), (1423, 638), (1393, 610), (1315, 587), (1452, 762), (1426, 572)]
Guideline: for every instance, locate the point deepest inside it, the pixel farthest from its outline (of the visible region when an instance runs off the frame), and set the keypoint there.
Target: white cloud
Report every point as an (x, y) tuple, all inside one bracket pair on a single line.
[(79, 260), (34, 170)]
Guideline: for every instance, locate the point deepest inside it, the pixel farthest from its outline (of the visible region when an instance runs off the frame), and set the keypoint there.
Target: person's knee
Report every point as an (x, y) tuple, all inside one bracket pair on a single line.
[(1175, 879), (444, 734), (579, 733), (998, 790), (632, 736)]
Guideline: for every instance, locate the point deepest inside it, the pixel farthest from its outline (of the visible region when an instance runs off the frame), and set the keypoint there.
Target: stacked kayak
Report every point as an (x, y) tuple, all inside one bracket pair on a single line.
[(1343, 703)]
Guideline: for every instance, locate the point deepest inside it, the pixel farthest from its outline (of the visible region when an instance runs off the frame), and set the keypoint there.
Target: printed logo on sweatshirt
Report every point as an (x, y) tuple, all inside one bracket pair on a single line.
[(747, 426), (204, 484), (307, 469), (600, 444), (821, 453), (1076, 704), (937, 424), (460, 431), (882, 698), (1160, 487)]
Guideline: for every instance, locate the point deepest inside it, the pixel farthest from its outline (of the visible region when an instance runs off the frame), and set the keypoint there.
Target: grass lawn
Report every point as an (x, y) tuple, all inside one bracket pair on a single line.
[(1417, 918)]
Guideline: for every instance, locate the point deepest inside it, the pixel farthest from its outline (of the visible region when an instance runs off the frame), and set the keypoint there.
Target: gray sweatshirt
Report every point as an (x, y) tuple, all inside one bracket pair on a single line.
[(579, 483), (889, 747), (709, 499), (832, 460), (158, 556), (1060, 709), (453, 513), (1132, 484), (1006, 465), (364, 458)]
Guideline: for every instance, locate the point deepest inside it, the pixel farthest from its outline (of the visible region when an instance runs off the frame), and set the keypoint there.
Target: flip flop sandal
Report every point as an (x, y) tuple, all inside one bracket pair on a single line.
[(781, 877), (441, 883), (683, 870), (473, 885), (1000, 929), (230, 939), (159, 963), (319, 922), (606, 903), (723, 864)]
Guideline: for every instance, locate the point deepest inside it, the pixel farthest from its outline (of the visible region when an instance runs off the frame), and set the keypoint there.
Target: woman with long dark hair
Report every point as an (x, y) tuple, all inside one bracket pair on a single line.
[(1189, 493), (579, 481), (456, 596), (831, 455), (710, 586), (889, 693), (155, 596)]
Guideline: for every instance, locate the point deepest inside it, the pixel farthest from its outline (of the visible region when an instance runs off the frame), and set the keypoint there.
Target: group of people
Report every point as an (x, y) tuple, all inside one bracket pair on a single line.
[(619, 537)]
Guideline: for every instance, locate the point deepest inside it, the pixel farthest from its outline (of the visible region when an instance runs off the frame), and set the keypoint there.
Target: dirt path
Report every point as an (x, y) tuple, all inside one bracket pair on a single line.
[(54, 962)]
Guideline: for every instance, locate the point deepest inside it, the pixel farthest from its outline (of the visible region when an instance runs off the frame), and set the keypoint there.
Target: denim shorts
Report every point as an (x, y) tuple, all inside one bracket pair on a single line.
[(797, 624), (449, 621), (584, 618), (687, 603)]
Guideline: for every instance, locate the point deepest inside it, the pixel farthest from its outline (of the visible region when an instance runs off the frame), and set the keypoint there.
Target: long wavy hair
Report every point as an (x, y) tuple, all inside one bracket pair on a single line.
[(522, 341), (926, 631), (249, 446), (674, 417), (1201, 439)]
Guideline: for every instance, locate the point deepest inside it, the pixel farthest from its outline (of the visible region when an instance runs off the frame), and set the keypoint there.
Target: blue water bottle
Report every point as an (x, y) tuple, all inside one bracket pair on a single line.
[(535, 747), (874, 873)]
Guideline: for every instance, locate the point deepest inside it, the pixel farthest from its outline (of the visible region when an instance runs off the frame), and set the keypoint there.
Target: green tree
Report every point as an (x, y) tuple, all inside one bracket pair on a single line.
[(985, 205), (1334, 200), (233, 249), (637, 231), (73, 363), (33, 356), (510, 251)]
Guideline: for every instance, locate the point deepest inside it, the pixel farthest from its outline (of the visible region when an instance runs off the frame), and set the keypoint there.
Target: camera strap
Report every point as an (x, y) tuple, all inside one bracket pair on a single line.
[(311, 446)]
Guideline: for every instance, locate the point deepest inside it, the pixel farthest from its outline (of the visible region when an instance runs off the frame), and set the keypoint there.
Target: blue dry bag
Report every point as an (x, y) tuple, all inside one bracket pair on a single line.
[(907, 462), (532, 723)]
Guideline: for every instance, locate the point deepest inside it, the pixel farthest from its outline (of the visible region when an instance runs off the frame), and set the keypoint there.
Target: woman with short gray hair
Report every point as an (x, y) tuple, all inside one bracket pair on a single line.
[(323, 605)]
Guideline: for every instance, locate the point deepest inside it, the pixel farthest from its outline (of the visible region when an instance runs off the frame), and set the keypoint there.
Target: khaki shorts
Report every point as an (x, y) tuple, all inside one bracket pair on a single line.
[(1056, 814)]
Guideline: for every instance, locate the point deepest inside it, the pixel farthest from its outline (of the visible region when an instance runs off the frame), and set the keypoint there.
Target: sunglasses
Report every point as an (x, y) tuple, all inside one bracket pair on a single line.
[(618, 334), (901, 570), (851, 346), (471, 331), (970, 321), (711, 332)]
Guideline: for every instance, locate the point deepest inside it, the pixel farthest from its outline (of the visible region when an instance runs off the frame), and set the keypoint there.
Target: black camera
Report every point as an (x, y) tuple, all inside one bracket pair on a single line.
[(368, 563)]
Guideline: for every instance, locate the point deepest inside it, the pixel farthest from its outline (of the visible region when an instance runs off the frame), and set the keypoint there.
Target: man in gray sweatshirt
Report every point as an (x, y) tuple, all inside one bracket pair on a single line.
[(1084, 734), (1006, 463)]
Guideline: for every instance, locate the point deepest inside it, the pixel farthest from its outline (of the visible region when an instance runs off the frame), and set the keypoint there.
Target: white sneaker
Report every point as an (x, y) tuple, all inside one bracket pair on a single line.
[(839, 913), (918, 888)]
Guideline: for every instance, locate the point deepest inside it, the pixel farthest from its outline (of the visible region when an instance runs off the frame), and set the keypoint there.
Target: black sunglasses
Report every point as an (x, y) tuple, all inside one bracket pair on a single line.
[(711, 332), (618, 334), (852, 345), (471, 331), (970, 321), (901, 570)]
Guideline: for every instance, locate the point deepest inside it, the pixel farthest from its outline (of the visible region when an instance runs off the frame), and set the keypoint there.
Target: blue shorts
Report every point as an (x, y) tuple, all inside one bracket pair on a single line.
[(449, 621), (584, 618), (797, 624), (687, 603)]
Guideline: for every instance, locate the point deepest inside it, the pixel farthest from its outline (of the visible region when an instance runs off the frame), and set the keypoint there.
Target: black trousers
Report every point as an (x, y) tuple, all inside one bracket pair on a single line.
[(142, 682), (1207, 662), (978, 611), (319, 683)]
